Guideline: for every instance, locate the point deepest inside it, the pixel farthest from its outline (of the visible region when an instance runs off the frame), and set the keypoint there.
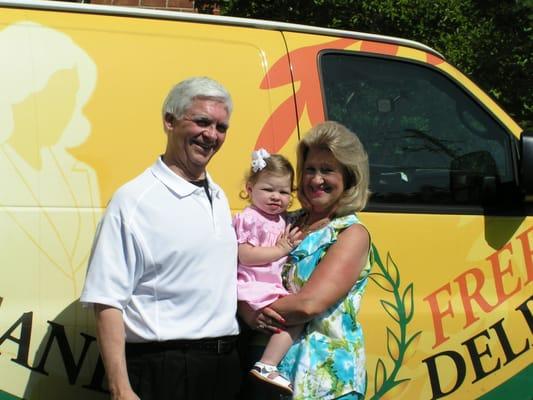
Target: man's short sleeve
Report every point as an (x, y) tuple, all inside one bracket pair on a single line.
[(115, 264)]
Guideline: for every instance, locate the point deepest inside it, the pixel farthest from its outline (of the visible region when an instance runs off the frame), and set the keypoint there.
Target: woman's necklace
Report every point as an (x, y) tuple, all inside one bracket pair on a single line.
[(314, 226)]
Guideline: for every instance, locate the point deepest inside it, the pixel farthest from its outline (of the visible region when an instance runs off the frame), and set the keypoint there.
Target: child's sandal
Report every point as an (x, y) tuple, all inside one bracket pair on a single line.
[(264, 372)]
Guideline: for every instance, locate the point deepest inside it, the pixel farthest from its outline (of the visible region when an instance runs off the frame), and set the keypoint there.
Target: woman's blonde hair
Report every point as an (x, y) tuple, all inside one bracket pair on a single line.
[(276, 164), (349, 152)]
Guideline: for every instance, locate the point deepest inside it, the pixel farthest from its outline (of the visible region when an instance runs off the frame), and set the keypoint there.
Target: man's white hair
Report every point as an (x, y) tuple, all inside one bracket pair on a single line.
[(181, 96)]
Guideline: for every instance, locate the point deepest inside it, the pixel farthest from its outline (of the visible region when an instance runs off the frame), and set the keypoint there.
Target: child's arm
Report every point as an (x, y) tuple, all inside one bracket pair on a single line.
[(256, 255)]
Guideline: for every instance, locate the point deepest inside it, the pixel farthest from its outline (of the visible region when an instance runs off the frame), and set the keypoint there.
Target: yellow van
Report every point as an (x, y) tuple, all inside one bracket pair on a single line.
[(448, 310)]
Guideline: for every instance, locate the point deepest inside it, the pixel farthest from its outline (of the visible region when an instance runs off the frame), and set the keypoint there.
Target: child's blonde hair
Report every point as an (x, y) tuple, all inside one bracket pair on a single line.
[(275, 164)]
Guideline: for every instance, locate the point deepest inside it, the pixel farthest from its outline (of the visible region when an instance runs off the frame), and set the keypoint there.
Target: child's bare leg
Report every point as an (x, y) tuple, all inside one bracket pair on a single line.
[(279, 344)]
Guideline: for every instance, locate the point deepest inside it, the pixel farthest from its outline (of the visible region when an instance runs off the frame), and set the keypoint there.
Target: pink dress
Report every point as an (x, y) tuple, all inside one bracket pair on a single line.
[(259, 285)]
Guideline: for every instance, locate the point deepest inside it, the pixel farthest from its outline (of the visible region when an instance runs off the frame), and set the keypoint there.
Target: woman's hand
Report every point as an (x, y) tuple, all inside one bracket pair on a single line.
[(265, 320)]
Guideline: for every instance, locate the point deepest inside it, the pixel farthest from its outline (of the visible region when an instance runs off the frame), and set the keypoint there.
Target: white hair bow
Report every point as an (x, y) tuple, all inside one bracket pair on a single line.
[(258, 159)]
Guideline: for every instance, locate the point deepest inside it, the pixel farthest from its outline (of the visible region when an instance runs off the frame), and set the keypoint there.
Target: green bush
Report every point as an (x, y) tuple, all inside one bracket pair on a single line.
[(489, 40)]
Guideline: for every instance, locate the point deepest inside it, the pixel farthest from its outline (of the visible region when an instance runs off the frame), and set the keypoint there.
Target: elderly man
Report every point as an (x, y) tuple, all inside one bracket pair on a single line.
[(162, 275)]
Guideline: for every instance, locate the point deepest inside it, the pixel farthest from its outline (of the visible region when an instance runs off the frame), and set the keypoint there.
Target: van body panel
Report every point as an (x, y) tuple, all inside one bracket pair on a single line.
[(206, 19), (75, 90), (463, 275), (447, 313), (451, 268), (154, 48)]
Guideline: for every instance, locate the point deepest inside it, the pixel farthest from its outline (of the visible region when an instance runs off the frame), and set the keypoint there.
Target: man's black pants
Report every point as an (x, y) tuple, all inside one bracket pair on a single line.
[(205, 369)]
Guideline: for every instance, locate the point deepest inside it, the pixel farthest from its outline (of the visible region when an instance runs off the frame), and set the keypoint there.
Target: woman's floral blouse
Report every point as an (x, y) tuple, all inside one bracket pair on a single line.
[(329, 358)]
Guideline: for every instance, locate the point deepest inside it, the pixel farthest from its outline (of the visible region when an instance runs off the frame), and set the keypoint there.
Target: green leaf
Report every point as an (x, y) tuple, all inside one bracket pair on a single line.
[(380, 375), (391, 309), (408, 302), (377, 259), (412, 338), (392, 270), (381, 281), (393, 345)]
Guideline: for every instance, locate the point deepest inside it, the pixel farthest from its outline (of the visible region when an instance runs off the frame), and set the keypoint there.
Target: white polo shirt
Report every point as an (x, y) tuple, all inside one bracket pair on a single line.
[(166, 257)]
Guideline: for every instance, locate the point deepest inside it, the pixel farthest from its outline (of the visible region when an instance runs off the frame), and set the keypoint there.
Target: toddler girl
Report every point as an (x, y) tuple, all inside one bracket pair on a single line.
[(265, 240)]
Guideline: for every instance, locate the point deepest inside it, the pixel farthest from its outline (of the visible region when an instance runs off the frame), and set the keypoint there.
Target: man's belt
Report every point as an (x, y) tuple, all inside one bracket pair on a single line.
[(220, 345)]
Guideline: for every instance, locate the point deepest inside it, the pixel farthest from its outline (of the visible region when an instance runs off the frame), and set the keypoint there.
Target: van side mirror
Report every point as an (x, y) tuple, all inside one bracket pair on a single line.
[(526, 162)]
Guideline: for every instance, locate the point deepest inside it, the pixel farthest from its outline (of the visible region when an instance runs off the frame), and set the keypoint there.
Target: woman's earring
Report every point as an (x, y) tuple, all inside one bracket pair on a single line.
[(291, 200)]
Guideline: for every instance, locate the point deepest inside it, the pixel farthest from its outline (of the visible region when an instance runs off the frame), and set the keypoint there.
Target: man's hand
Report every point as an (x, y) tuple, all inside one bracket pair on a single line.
[(128, 395)]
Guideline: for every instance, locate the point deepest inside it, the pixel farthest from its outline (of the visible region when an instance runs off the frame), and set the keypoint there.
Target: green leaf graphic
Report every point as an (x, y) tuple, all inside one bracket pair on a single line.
[(381, 281), (392, 269), (401, 309), (393, 345), (408, 301), (380, 375), (412, 338), (391, 309)]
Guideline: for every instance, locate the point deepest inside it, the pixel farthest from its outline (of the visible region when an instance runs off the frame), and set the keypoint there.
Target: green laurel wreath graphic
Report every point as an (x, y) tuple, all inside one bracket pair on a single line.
[(401, 310)]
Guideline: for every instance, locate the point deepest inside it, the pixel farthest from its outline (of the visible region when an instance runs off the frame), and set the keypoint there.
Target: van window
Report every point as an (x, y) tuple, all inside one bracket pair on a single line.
[(430, 145)]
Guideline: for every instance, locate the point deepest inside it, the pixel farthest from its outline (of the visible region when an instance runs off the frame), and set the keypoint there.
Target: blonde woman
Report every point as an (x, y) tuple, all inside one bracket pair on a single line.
[(328, 270)]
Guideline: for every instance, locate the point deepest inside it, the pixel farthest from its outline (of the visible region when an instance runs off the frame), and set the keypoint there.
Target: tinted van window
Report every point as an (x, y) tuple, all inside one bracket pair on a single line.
[(429, 143)]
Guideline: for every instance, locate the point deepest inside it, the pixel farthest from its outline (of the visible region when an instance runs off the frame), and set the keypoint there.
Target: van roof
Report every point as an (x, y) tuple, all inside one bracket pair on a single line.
[(210, 19)]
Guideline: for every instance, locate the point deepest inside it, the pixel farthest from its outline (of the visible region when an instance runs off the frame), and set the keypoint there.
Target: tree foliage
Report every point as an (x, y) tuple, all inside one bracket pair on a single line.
[(489, 40)]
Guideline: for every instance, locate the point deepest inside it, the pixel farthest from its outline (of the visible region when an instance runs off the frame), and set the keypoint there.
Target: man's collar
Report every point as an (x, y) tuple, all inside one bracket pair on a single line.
[(176, 183)]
